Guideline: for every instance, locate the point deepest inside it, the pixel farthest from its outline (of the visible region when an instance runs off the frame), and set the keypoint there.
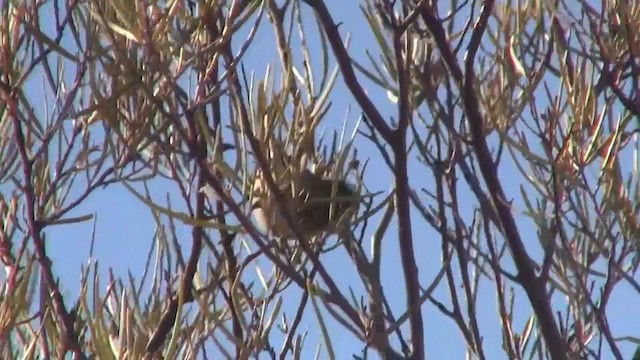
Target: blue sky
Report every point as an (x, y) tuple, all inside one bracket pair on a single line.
[(125, 227)]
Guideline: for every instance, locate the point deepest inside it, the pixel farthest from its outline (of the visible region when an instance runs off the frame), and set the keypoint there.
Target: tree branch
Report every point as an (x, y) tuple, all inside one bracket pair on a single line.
[(348, 74), (534, 288)]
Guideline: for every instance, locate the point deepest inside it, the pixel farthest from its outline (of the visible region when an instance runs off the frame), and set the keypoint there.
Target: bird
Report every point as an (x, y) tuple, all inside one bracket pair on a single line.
[(317, 205)]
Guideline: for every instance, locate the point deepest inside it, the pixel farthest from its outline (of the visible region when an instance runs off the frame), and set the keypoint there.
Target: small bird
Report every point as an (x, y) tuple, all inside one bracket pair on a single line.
[(309, 201)]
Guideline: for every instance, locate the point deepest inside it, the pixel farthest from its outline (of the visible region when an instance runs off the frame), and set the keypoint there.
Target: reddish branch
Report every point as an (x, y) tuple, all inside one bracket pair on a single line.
[(67, 332), (405, 236), (227, 239), (534, 287), (348, 74), (398, 140), (198, 147)]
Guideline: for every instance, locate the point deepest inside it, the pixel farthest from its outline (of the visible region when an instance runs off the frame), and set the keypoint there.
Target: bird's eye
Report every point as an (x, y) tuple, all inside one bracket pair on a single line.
[(256, 204)]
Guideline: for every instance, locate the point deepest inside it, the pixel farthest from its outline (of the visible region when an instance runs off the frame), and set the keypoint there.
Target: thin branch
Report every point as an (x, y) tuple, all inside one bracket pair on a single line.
[(534, 288), (346, 68), (65, 320), (402, 198)]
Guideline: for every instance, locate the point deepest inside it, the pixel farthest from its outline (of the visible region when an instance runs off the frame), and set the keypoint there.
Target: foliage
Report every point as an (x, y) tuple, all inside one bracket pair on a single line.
[(508, 131)]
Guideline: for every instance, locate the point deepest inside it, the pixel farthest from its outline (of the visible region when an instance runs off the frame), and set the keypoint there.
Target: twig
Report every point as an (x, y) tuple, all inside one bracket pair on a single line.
[(403, 207), (526, 272), (348, 74), (69, 338)]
